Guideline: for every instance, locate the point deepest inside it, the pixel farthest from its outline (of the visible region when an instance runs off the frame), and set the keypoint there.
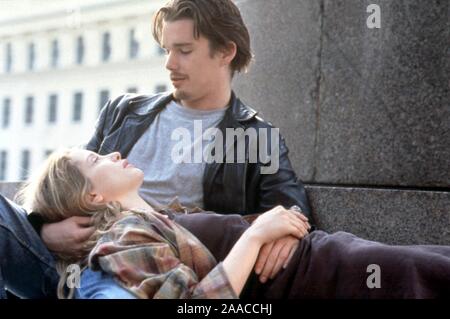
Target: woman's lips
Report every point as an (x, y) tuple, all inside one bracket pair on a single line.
[(125, 164)]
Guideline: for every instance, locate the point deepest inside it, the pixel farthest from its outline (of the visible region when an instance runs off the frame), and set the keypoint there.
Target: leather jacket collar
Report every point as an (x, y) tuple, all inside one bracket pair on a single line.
[(237, 112)]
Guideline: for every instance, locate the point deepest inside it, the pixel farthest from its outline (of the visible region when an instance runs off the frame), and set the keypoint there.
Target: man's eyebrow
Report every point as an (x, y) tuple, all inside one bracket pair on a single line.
[(181, 44)]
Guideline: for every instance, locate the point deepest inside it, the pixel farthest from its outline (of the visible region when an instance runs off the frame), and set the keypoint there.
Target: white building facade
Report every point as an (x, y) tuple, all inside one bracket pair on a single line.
[(60, 64)]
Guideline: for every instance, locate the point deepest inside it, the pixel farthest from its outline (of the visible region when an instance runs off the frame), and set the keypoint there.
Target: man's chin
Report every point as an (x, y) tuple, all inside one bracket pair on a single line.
[(180, 95)]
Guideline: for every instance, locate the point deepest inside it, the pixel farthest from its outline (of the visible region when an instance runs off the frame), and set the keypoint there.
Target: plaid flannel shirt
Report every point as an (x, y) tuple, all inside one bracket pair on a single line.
[(154, 257)]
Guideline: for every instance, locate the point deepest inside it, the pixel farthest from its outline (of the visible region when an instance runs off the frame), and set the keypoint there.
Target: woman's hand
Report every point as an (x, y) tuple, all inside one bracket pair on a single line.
[(272, 225), (278, 222)]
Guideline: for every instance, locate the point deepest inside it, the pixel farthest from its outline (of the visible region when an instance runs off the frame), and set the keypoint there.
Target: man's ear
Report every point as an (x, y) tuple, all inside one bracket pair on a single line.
[(228, 53), (95, 198)]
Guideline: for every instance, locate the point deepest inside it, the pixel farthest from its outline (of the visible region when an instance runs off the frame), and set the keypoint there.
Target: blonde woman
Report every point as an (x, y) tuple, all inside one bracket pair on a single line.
[(151, 255), (80, 183)]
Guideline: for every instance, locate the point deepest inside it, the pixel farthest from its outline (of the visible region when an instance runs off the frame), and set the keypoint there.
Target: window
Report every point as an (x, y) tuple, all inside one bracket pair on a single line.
[(3, 164), (31, 56), (104, 97), (106, 51), (55, 54), (8, 58), (77, 106), (6, 112), (52, 108), (29, 110), (80, 50), (132, 89), (25, 164), (160, 88), (134, 45)]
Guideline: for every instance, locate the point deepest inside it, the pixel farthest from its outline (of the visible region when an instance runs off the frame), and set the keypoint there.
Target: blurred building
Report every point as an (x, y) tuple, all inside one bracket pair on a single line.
[(60, 62)]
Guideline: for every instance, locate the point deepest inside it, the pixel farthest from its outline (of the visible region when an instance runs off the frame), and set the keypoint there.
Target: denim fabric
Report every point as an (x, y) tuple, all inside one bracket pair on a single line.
[(100, 285), (2, 287), (27, 268)]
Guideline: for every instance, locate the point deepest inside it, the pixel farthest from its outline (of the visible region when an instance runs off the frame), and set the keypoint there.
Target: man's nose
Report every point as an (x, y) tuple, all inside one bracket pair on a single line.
[(171, 63)]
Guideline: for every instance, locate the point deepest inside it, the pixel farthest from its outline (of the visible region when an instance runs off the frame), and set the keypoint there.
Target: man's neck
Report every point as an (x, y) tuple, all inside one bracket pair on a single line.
[(217, 101)]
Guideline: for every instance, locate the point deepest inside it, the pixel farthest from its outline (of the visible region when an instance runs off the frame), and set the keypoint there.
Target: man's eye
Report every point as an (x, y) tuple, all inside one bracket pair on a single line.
[(185, 52)]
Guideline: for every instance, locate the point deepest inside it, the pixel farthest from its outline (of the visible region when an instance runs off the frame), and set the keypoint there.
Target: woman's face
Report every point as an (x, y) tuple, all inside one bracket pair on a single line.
[(111, 177)]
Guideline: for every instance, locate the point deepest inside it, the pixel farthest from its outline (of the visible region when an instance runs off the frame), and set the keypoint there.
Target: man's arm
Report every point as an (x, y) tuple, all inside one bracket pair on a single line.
[(281, 188), (66, 237)]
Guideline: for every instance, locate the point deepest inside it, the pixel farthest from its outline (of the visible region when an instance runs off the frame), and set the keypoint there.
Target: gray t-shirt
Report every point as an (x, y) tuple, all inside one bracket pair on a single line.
[(165, 175)]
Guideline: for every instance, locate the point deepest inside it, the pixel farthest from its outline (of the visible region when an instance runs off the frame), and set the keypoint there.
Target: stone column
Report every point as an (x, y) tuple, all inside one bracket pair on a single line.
[(365, 112)]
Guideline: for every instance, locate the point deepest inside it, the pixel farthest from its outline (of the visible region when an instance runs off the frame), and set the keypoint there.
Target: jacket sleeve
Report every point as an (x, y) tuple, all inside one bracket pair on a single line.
[(97, 138), (283, 187), (103, 124)]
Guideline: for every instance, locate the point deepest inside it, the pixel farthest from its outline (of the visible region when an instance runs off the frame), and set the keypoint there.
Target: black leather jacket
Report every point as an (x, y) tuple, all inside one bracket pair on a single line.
[(228, 187)]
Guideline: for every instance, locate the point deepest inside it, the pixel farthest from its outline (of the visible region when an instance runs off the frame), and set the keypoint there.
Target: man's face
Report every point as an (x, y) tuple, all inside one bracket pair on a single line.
[(195, 73)]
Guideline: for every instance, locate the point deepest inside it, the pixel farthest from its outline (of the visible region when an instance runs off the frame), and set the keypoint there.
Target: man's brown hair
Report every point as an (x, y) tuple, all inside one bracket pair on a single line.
[(219, 21)]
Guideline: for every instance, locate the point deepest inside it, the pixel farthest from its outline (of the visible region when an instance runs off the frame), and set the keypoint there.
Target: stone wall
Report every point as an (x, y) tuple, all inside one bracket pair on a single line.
[(365, 112)]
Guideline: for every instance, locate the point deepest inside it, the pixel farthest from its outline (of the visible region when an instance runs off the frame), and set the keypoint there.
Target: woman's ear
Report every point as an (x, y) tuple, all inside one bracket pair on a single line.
[(228, 53), (95, 198)]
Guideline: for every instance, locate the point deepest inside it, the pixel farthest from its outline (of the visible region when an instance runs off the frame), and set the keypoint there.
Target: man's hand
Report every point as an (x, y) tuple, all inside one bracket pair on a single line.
[(277, 254), (68, 236)]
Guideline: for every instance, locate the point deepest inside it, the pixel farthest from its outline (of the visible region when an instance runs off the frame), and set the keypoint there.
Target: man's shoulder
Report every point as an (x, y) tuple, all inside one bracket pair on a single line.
[(259, 122), (256, 121), (248, 116), (137, 103)]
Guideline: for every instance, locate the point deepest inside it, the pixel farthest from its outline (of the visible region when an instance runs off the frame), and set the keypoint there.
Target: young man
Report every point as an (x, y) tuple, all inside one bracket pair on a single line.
[(206, 42)]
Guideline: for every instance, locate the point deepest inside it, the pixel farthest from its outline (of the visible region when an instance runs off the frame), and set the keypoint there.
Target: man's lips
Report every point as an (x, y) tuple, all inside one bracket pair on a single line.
[(177, 78)]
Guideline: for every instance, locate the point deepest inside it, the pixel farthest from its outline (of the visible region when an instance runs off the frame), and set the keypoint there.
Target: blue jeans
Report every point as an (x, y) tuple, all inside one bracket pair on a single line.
[(99, 285), (27, 268)]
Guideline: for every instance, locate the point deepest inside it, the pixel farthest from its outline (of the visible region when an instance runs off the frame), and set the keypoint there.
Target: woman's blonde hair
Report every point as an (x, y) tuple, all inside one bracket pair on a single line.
[(59, 191)]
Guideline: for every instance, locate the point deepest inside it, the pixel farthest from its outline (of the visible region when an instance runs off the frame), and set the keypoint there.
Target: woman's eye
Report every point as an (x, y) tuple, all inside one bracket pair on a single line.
[(96, 159)]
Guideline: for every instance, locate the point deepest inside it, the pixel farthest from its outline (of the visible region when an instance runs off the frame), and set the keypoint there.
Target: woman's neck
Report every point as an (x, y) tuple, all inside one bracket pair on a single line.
[(134, 201)]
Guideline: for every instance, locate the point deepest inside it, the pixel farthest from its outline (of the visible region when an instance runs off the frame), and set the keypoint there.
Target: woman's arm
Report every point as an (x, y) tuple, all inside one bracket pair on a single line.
[(240, 261), (274, 224)]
